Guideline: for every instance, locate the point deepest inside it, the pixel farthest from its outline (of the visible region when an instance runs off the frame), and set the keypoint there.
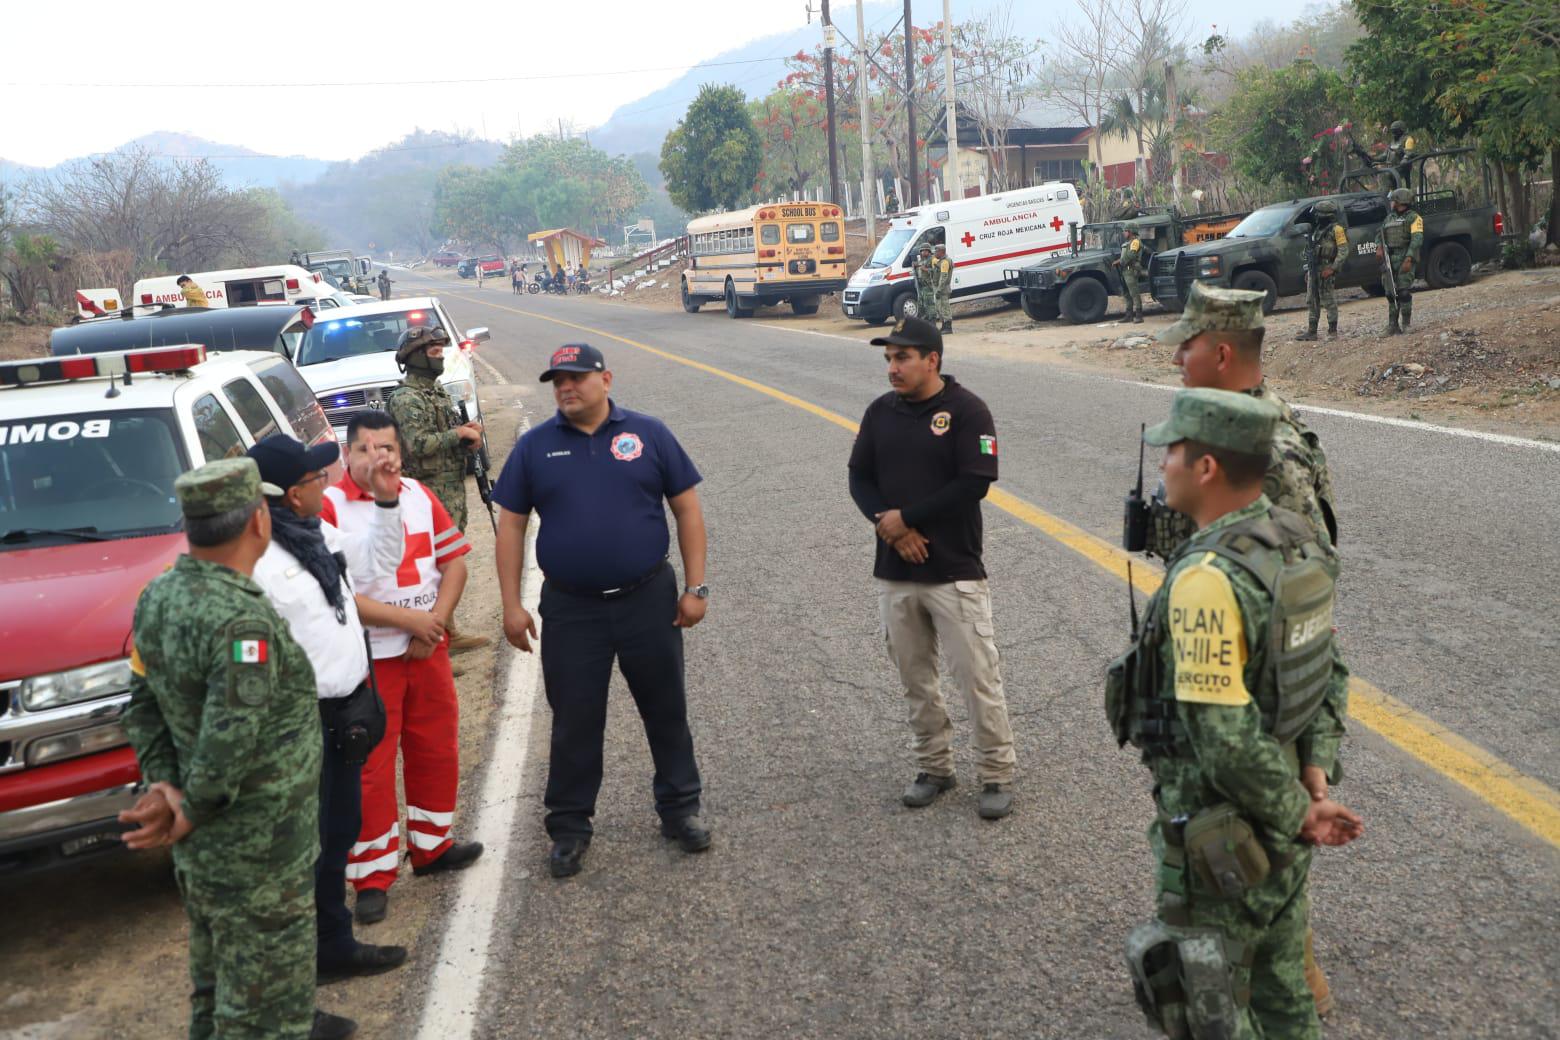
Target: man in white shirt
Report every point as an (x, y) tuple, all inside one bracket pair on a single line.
[(408, 612), (308, 572)]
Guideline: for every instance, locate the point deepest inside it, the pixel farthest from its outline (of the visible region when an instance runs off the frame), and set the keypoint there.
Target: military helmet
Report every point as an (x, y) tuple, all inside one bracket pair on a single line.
[(1399, 127), (419, 337), (1327, 208), (1402, 195)]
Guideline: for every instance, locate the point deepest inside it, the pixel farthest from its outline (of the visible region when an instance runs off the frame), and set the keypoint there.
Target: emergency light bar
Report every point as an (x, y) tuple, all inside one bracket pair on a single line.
[(90, 366)]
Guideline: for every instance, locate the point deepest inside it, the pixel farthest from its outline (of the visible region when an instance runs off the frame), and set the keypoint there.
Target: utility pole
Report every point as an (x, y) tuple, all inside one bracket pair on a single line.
[(951, 172), (828, 94), (1173, 110), (868, 174), (912, 187)]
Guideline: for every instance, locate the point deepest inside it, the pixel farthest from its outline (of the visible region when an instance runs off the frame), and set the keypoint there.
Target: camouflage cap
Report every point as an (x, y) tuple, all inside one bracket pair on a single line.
[(1215, 310), (1220, 418), (220, 486), (419, 337)]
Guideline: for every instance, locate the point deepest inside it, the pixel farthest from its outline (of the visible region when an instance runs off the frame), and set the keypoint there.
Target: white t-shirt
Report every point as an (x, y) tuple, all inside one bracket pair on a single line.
[(335, 649)]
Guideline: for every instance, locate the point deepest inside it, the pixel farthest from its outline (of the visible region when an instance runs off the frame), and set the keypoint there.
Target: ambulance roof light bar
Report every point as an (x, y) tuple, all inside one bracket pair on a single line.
[(89, 366)]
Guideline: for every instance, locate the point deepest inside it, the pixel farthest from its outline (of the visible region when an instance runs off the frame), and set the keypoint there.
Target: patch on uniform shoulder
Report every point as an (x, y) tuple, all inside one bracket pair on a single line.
[(1136, 245), (137, 666), (1208, 637), (941, 422), (626, 447), (249, 662), (988, 444), (1418, 226)]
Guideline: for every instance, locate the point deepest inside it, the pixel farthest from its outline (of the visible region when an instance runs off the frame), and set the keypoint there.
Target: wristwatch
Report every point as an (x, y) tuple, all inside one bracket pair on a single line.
[(701, 591)]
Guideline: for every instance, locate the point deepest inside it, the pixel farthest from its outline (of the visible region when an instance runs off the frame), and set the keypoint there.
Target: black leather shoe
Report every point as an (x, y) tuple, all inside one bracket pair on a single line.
[(564, 859), (331, 1027), (371, 905), (365, 960), (688, 832), (458, 856)]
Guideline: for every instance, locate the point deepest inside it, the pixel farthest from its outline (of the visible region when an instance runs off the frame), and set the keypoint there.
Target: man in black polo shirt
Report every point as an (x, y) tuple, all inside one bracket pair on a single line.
[(597, 474), (925, 457)]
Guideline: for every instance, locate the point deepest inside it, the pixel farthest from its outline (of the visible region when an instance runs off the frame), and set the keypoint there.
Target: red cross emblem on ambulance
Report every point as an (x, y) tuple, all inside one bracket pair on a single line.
[(968, 240), (1056, 223)]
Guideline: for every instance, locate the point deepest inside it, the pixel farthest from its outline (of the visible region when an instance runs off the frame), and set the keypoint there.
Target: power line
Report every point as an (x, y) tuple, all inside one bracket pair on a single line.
[(391, 82)]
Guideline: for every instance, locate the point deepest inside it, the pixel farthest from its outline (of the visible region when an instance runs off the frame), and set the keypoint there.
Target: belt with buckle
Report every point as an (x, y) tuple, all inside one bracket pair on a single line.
[(617, 593)]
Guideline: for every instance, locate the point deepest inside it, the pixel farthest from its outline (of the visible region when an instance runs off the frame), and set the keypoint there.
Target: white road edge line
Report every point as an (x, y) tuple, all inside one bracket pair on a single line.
[(1385, 420), (455, 991), (488, 365)]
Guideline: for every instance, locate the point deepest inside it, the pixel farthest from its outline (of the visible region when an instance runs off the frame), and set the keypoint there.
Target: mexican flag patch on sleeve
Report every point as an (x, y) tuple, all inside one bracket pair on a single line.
[(249, 651), (988, 444)]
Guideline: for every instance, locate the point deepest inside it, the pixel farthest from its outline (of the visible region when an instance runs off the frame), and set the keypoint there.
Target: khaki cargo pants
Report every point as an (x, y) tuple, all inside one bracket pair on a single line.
[(918, 618)]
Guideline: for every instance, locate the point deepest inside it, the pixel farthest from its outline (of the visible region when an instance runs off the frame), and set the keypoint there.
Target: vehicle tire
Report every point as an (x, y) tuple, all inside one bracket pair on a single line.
[(1038, 307), (733, 309), (532, 288), (1448, 264), (804, 304), (691, 304), (1258, 281), (1083, 301), (1375, 290), (906, 306)]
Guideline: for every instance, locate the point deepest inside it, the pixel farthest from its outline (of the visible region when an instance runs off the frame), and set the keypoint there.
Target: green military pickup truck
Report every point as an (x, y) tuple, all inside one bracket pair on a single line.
[(1266, 252), (1078, 285)]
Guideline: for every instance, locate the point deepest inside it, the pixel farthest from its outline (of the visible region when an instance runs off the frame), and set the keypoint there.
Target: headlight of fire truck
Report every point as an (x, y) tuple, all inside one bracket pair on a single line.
[(42, 692)]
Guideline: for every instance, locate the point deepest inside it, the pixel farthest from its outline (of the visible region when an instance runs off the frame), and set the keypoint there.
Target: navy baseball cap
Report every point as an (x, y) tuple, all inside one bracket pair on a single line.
[(283, 461), (574, 357)]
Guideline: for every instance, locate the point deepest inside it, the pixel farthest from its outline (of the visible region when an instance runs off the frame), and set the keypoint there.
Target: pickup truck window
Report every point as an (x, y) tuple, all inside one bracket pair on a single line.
[(252, 408), (219, 438), (1363, 212), (294, 397), (108, 474), (1261, 224)]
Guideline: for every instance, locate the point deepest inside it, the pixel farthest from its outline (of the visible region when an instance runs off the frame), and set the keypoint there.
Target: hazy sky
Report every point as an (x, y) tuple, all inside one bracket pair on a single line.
[(89, 75)]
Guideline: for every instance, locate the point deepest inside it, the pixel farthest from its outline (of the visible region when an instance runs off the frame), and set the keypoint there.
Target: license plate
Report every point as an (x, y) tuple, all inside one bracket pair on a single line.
[(849, 309)]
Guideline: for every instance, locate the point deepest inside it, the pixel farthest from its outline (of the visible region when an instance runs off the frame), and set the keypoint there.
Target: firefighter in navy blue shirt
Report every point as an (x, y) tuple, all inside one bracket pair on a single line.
[(597, 476), (924, 458)]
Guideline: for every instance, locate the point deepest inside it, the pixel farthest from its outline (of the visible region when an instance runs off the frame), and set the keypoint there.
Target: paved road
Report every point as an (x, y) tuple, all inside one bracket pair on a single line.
[(826, 909)]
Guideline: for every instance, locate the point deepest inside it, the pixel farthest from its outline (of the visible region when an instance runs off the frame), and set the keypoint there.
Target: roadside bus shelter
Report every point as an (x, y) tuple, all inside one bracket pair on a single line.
[(565, 248)]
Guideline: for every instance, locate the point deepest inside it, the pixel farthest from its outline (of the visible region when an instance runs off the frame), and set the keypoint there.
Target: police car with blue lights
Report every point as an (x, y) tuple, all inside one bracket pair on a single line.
[(348, 356), (90, 445)]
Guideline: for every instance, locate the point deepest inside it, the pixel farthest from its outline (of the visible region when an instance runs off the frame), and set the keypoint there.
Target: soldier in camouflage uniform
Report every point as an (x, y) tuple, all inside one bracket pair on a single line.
[(925, 291), (434, 443), (1224, 715), (225, 722), (1131, 265), (942, 286), (1328, 242), (1219, 346), (1404, 235)]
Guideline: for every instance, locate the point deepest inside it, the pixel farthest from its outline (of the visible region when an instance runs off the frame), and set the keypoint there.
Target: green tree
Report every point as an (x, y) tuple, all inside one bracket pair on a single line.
[(567, 183), (712, 156), (1268, 124), (790, 123), (482, 206), (1489, 69)]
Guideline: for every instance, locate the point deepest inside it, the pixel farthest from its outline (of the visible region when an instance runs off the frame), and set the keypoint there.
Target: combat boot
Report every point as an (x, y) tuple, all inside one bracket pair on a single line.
[(460, 641), (1332, 332), (1405, 320), (1321, 992), (331, 1027), (947, 328), (924, 789), (1306, 336), (1392, 329)]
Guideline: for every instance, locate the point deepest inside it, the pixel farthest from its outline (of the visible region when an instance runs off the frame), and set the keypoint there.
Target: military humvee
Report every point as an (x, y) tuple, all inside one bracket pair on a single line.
[(1267, 251), (1078, 285)]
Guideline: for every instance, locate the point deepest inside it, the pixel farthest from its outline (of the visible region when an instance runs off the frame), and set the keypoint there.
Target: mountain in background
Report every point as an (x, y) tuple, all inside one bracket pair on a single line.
[(240, 167), (641, 126)]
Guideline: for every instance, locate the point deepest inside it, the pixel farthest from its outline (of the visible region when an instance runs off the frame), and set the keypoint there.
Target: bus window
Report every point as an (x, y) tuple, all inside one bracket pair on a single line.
[(771, 234), (798, 233), (829, 231)]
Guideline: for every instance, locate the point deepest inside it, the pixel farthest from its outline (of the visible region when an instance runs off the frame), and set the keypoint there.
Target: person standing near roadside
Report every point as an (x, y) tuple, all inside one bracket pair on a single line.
[(942, 287), (307, 573), (384, 283), (476, 269), (1131, 264), (409, 612), (225, 726), (925, 291), (1403, 232), (600, 478), (194, 295), (1329, 241), (925, 456)]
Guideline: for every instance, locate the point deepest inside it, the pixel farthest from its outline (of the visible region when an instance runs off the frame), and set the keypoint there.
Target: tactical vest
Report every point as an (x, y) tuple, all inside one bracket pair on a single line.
[(1325, 244), (1299, 575), (1396, 231)]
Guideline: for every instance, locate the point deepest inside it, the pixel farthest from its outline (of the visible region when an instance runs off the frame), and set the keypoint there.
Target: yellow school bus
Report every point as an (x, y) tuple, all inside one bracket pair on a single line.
[(783, 251)]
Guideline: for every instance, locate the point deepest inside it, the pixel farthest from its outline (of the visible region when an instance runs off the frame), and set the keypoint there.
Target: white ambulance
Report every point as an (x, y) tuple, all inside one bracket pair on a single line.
[(278, 283), (982, 235)]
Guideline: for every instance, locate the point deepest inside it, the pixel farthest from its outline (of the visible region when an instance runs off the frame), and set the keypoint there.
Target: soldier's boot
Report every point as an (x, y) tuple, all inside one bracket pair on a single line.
[(1392, 326), (1321, 992), (1332, 331), (331, 1027), (947, 327), (1307, 335)]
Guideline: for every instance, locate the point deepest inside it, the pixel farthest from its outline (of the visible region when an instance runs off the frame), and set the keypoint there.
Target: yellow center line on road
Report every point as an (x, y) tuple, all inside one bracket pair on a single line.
[(1527, 800)]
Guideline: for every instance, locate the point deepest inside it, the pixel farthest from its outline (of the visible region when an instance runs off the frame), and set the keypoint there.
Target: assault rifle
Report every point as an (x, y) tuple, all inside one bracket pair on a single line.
[(1134, 525), (480, 465), (1390, 278)]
